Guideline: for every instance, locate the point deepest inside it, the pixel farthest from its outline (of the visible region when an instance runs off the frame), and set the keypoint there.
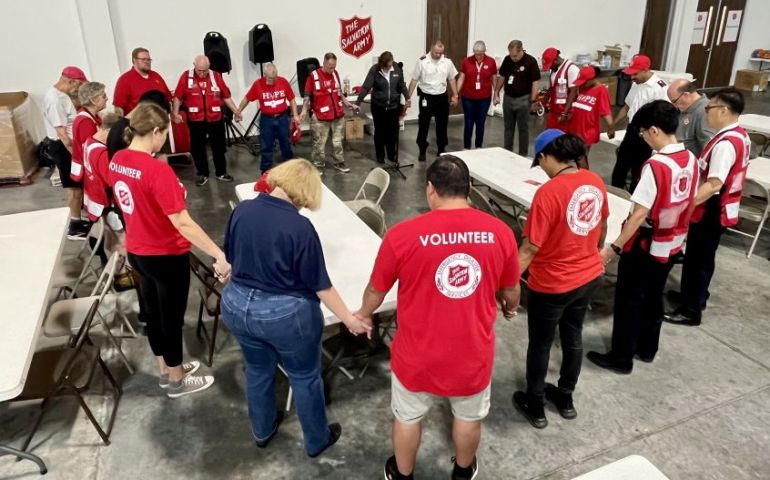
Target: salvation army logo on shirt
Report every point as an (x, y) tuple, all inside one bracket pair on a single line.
[(680, 187), (458, 276), (584, 210), (123, 194)]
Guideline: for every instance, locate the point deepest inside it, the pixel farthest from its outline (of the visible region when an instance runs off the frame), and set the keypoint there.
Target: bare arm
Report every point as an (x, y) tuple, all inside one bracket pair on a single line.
[(371, 301), (293, 106), (460, 81), (190, 230), (622, 114), (535, 90), (603, 236), (708, 190), (633, 223), (61, 132), (527, 253), (243, 104), (175, 104), (331, 298), (509, 298)]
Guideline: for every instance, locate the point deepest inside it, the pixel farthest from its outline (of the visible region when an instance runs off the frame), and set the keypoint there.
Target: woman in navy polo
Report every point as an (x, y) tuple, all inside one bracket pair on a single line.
[(272, 306)]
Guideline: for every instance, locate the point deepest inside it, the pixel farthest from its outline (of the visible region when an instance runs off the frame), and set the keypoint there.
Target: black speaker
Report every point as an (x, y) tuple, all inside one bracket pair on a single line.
[(261, 44), (215, 47), (304, 68)]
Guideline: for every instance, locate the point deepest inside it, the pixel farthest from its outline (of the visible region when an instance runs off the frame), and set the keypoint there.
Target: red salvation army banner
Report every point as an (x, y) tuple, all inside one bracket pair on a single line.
[(356, 36)]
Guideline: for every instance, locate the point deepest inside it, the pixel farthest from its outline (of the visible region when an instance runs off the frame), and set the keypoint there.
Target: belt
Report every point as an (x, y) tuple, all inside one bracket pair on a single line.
[(275, 115)]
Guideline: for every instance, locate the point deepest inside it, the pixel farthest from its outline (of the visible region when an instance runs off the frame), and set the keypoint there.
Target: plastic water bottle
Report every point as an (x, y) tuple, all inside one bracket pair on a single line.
[(346, 86)]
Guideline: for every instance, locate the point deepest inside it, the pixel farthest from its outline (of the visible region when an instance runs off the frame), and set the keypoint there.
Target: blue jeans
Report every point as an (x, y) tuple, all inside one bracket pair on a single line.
[(270, 130), (279, 328), (475, 112)]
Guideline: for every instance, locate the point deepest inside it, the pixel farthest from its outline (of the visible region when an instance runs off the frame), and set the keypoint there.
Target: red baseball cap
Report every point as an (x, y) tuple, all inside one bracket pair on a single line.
[(638, 63), (586, 73), (74, 73), (549, 55)]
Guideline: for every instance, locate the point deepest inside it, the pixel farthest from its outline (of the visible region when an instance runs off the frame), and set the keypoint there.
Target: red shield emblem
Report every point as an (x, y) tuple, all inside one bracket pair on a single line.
[(682, 184), (458, 276), (356, 36), (586, 210)]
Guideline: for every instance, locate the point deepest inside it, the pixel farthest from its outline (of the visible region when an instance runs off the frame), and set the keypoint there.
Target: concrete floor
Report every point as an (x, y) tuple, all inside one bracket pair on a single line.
[(699, 412)]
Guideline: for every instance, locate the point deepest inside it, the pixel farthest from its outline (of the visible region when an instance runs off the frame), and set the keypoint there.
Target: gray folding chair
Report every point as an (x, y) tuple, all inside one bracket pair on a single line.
[(71, 273), (481, 202), (376, 183), (619, 192), (755, 207), (374, 218)]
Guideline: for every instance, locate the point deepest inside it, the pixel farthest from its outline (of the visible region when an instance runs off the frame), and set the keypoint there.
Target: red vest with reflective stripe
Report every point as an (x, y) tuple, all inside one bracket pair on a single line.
[(730, 194), (95, 197), (83, 127), (203, 104), (676, 178), (327, 102)]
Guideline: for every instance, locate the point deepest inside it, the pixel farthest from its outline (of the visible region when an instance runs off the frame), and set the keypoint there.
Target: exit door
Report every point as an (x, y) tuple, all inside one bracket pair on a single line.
[(714, 41)]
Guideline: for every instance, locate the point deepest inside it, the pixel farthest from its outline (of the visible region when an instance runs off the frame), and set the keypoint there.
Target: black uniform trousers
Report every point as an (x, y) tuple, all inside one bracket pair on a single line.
[(699, 259), (385, 131), (214, 133), (631, 155), (433, 106)]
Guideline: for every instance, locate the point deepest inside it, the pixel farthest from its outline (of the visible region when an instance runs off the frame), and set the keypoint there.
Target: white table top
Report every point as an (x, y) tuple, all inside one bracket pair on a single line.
[(755, 123), (30, 246), (512, 175), (633, 467), (759, 170), (350, 248), (619, 134)]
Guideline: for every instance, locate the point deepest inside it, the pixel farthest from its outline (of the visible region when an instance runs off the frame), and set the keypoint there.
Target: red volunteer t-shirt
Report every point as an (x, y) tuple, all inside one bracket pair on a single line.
[(83, 128), (273, 99), (449, 264), (587, 111), (565, 222), (147, 191), (131, 86), (478, 77)]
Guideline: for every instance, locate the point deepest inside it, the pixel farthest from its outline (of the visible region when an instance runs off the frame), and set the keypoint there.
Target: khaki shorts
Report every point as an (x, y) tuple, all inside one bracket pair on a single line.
[(410, 407)]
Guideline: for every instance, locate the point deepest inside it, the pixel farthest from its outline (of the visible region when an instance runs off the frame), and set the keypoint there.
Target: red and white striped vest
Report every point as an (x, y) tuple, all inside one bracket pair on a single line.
[(327, 102), (95, 198), (203, 104)]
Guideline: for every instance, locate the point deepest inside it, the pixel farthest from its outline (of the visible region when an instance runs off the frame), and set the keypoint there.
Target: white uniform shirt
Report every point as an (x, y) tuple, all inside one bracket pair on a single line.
[(58, 111), (643, 93), (432, 75), (647, 190), (722, 158), (572, 74)]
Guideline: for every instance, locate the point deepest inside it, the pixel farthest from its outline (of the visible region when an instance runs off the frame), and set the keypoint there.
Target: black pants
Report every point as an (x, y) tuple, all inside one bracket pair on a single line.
[(214, 132), (385, 132), (631, 155), (544, 312), (698, 269), (165, 285), (430, 106), (638, 304)]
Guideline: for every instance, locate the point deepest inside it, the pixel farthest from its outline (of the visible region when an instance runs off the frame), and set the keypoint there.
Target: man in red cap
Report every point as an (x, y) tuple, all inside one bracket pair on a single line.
[(137, 81), (590, 106), (562, 90), (59, 115), (633, 151)]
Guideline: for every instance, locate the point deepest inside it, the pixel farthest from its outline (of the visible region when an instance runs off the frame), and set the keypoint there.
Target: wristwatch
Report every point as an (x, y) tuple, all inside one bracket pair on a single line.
[(616, 249)]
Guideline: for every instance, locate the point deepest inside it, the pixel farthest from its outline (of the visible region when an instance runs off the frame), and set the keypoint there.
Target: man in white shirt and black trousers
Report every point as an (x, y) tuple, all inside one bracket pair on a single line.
[(431, 75), (633, 151)]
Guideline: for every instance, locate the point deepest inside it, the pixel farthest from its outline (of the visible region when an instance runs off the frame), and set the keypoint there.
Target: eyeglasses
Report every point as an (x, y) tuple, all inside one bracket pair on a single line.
[(145, 59), (678, 98), (711, 107)]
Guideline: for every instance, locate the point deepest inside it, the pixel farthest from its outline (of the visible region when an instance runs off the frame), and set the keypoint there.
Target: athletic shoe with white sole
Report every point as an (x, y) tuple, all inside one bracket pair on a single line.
[(189, 384), (189, 368)]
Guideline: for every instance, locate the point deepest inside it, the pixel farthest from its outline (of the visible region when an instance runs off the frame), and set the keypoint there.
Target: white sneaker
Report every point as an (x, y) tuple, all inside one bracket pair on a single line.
[(189, 368), (189, 384)]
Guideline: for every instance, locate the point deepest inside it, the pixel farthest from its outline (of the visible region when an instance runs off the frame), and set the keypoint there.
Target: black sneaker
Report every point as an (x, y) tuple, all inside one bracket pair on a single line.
[(679, 317), (468, 473), (562, 401), (341, 167), (532, 411), (335, 431), (608, 361), (276, 424), (421, 157), (78, 230), (391, 471), (224, 178), (201, 181)]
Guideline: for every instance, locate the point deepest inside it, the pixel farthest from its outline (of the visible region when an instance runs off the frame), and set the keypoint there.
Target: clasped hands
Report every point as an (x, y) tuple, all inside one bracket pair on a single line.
[(357, 324)]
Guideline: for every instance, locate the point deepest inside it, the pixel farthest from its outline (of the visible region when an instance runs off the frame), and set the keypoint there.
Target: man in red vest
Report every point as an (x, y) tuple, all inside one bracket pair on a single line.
[(203, 93), (323, 93), (723, 165), (563, 90), (653, 233)]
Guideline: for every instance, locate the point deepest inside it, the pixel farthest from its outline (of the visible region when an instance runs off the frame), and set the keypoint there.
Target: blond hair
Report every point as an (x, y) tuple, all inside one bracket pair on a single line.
[(145, 118), (300, 180), (89, 91)]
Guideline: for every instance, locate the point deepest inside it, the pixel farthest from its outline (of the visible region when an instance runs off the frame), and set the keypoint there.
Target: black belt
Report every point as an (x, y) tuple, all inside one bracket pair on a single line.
[(285, 112)]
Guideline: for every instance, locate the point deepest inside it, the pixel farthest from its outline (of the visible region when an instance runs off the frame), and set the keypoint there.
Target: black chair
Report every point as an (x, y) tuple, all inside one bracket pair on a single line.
[(69, 370), (210, 293)]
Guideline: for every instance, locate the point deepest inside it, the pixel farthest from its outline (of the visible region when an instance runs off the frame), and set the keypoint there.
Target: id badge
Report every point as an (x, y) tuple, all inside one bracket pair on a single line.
[(424, 102), (478, 85), (510, 80)]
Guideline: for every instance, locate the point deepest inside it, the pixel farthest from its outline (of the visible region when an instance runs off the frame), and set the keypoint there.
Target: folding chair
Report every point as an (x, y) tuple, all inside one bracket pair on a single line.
[(69, 370), (374, 218), (210, 293), (762, 142), (481, 202), (619, 192), (377, 178), (65, 278), (755, 207), (63, 315)]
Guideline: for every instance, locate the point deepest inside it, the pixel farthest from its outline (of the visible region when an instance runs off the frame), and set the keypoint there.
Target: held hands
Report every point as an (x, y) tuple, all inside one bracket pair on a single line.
[(238, 117), (453, 101), (510, 310), (302, 117), (358, 324), (222, 269), (176, 118), (611, 132), (607, 255), (408, 103), (534, 107), (565, 117), (496, 99)]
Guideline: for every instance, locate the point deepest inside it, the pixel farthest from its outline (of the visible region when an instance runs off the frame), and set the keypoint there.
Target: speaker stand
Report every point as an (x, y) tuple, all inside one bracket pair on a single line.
[(253, 123), (233, 135), (396, 167)]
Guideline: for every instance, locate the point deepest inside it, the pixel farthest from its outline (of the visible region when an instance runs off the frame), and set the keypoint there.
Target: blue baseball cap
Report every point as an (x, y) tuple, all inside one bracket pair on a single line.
[(542, 141)]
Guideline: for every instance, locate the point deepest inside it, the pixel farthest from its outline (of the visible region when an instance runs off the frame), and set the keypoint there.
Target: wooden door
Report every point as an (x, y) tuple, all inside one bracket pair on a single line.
[(714, 41), (447, 21), (655, 31)]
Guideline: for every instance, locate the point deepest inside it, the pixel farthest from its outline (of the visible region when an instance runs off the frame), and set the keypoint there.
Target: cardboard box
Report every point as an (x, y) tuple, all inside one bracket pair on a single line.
[(17, 132), (354, 128), (612, 86), (614, 52), (752, 80)]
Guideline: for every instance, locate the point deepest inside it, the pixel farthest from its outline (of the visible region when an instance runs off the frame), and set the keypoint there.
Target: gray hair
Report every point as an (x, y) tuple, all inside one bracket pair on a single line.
[(89, 91), (479, 46), (437, 44), (515, 44), (271, 70)]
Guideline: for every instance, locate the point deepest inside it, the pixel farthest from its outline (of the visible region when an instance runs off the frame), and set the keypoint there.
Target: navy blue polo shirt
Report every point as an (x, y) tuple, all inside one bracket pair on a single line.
[(273, 248)]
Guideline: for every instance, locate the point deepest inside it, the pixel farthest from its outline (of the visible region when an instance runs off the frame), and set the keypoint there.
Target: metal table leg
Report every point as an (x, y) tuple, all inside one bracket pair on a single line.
[(5, 450)]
